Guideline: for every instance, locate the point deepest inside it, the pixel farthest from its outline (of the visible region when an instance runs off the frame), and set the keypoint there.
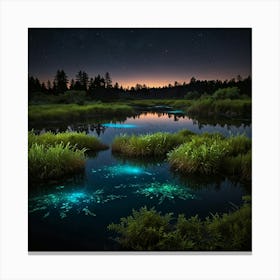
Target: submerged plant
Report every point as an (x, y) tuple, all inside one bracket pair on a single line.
[(65, 203), (165, 191)]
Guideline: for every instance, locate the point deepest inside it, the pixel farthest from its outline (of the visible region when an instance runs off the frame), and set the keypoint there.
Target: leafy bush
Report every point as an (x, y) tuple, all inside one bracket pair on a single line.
[(149, 230), (52, 162), (225, 93), (143, 230), (207, 107), (78, 139), (192, 95)]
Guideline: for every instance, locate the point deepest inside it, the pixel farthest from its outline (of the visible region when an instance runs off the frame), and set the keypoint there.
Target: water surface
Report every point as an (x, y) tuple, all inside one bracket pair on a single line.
[(72, 215)]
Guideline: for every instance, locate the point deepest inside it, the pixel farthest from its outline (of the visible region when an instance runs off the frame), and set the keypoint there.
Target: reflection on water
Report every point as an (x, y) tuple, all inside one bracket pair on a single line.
[(147, 122), (74, 214)]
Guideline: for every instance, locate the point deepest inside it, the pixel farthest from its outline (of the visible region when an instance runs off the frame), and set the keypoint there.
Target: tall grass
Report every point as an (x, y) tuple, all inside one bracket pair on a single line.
[(149, 145), (213, 154), (150, 230), (54, 112), (200, 155), (52, 162), (206, 107), (78, 139)]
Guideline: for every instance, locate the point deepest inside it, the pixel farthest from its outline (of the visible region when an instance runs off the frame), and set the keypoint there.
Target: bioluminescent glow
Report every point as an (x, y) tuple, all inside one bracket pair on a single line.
[(175, 112), (67, 202), (164, 191), (120, 170), (75, 197), (161, 191), (119, 125)]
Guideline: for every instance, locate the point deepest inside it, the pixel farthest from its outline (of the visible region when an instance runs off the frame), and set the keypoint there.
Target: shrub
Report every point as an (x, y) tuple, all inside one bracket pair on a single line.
[(149, 230), (224, 93), (143, 230)]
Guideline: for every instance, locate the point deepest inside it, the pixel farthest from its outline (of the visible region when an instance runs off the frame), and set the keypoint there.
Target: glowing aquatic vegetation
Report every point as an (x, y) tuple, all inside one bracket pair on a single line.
[(160, 191), (119, 125), (175, 112), (74, 197), (67, 202), (46, 215), (88, 212), (165, 191), (117, 170)]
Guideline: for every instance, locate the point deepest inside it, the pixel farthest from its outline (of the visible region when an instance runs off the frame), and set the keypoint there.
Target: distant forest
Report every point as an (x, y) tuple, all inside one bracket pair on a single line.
[(101, 87)]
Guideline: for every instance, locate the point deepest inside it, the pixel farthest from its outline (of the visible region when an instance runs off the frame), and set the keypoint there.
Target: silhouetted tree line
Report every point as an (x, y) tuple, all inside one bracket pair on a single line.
[(101, 87)]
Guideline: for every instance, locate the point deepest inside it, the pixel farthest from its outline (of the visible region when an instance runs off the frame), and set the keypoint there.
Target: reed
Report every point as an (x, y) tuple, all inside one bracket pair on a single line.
[(78, 139), (53, 162), (149, 145)]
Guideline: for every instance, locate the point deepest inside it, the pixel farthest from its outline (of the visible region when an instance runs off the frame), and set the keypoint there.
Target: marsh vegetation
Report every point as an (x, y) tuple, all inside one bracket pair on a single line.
[(157, 150)]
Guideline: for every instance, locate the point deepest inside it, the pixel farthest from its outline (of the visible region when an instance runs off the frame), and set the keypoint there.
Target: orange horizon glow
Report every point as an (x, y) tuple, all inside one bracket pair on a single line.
[(156, 81)]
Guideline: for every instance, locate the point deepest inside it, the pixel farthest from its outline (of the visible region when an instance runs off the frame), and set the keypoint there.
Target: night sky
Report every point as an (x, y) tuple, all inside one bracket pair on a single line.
[(152, 56)]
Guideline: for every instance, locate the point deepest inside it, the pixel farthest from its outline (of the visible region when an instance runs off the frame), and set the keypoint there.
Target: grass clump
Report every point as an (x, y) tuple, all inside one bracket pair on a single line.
[(209, 107), (240, 165), (78, 139), (150, 230), (202, 154), (213, 154), (149, 145), (53, 162)]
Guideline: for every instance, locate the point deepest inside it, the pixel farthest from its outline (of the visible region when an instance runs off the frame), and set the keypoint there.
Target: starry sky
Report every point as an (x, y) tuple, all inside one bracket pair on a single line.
[(151, 56)]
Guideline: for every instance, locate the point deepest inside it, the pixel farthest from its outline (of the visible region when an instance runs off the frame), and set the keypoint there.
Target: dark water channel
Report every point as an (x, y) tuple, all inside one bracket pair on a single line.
[(73, 215)]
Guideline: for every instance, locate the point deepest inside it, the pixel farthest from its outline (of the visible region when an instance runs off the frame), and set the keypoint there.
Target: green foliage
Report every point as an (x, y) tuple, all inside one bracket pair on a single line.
[(52, 162), (74, 111), (239, 144), (202, 154), (143, 230), (192, 95), (213, 154), (149, 145), (78, 139), (209, 107), (149, 230), (239, 165), (225, 93)]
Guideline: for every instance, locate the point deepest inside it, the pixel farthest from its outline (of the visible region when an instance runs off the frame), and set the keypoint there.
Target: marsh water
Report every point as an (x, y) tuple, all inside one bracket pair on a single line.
[(73, 214)]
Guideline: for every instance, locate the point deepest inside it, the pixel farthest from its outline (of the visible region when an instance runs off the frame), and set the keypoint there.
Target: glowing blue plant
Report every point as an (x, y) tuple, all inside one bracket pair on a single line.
[(122, 169), (66, 202), (75, 196), (175, 112), (164, 191), (119, 125)]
